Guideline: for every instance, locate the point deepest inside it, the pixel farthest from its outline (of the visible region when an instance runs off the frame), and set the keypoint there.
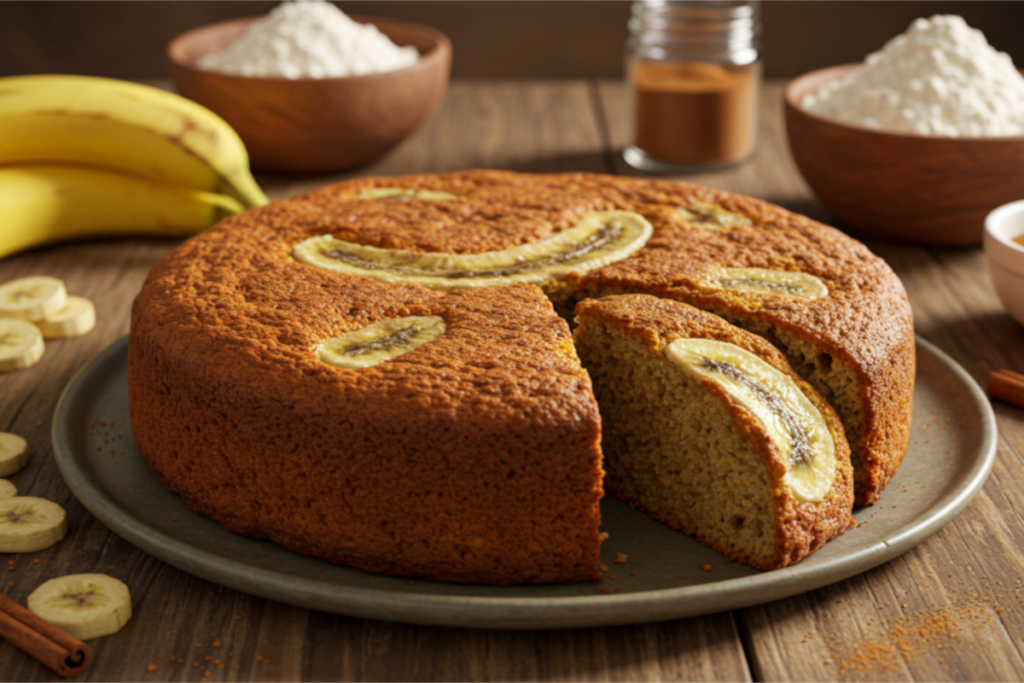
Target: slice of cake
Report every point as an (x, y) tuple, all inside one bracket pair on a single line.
[(706, 428)]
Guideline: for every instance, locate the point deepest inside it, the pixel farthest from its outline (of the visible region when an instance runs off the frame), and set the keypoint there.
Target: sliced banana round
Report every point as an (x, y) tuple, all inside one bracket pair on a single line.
[(76, 318), (405, 194), (793, 423), (13, 453), (380, 341), (21, 344), (787, 282), (32, 298), (7, 489), (28, 524), (85, 605), (598, 239), (711, 217)]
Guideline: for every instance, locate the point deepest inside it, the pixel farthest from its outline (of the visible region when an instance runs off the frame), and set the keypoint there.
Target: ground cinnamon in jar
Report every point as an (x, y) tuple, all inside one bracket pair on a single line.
[(694, 69), (695, 113)]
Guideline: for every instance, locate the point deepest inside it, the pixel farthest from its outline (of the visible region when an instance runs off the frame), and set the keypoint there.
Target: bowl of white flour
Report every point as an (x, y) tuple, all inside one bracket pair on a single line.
[(310, 89), (917, 143)]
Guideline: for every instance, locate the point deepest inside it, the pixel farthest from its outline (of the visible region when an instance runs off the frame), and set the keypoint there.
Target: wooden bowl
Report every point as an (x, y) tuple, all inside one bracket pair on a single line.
[(317, 125), (903, 188)]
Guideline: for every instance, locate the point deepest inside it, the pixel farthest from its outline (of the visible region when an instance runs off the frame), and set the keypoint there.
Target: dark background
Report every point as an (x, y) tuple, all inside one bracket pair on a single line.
[(491, 38)]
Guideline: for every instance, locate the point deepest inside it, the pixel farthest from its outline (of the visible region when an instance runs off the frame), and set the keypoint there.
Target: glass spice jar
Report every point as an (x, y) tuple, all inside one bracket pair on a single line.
[(694, 68)]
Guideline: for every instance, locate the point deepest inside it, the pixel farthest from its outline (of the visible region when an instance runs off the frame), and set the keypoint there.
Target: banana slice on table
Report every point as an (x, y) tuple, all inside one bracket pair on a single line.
[(791, 420), (85, 605), (76, 318), (28, 524), (13, 453), (32, 298), (7, 489), (21, 344)]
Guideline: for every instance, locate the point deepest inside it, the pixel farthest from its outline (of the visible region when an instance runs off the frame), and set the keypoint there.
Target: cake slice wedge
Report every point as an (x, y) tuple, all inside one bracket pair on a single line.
[(706, 428)]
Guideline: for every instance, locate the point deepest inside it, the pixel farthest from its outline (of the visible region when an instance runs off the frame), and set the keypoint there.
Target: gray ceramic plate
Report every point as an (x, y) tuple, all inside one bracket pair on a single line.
[(950, 455)]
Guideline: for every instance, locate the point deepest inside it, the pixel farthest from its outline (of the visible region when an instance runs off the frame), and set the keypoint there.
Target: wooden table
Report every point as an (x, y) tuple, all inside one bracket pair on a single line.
[(950, 609)]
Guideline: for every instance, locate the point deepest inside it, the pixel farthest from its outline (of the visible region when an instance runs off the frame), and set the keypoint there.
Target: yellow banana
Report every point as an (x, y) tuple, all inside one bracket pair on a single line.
[(123, 126), (52, 203)]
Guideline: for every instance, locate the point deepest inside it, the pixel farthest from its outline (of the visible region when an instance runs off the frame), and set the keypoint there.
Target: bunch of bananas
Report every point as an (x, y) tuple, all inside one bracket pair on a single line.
[(82, 156)]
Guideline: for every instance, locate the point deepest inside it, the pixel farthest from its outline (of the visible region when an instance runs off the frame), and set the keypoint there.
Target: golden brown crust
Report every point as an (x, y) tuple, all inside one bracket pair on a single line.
[(800, 528), (222, 332)]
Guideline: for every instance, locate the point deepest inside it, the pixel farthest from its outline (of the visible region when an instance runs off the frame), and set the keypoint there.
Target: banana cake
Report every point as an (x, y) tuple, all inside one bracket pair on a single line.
[(381, 372)]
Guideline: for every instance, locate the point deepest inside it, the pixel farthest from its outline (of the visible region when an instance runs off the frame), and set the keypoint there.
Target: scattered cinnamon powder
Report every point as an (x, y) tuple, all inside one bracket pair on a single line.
[(896, 637)]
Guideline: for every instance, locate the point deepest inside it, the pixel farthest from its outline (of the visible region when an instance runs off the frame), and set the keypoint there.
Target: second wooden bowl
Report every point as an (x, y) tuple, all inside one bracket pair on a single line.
[(904, 188), (317, 125)]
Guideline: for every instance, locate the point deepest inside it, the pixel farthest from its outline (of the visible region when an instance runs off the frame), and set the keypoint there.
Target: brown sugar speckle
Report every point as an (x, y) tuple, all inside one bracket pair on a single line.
[(705, 568), (151, 668), (620, 558)]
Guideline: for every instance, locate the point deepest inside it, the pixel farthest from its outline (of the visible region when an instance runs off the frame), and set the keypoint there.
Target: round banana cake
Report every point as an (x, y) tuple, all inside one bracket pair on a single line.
[(382, 373)]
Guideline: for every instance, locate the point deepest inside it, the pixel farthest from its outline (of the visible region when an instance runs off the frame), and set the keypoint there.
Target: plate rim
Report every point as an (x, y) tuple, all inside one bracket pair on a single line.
[(521, 612)]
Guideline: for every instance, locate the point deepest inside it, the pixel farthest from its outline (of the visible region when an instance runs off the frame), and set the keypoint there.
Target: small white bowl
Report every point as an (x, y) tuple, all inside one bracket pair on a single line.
[(1006, 257)]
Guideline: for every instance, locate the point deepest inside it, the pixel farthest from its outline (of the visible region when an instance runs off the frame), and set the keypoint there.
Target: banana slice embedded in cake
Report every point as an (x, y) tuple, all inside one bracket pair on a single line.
[(712, 217), (793, 422), (381, 341), (598, 239), (404, 194), (790, 283)]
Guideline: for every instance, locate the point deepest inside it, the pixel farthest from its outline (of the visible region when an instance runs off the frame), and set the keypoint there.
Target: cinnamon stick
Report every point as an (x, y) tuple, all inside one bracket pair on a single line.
[(55, 648), (1007, 386)]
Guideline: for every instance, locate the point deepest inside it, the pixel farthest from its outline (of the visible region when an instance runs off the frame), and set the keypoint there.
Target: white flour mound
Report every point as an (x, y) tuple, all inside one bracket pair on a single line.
[(309, 39), (940, 78)]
